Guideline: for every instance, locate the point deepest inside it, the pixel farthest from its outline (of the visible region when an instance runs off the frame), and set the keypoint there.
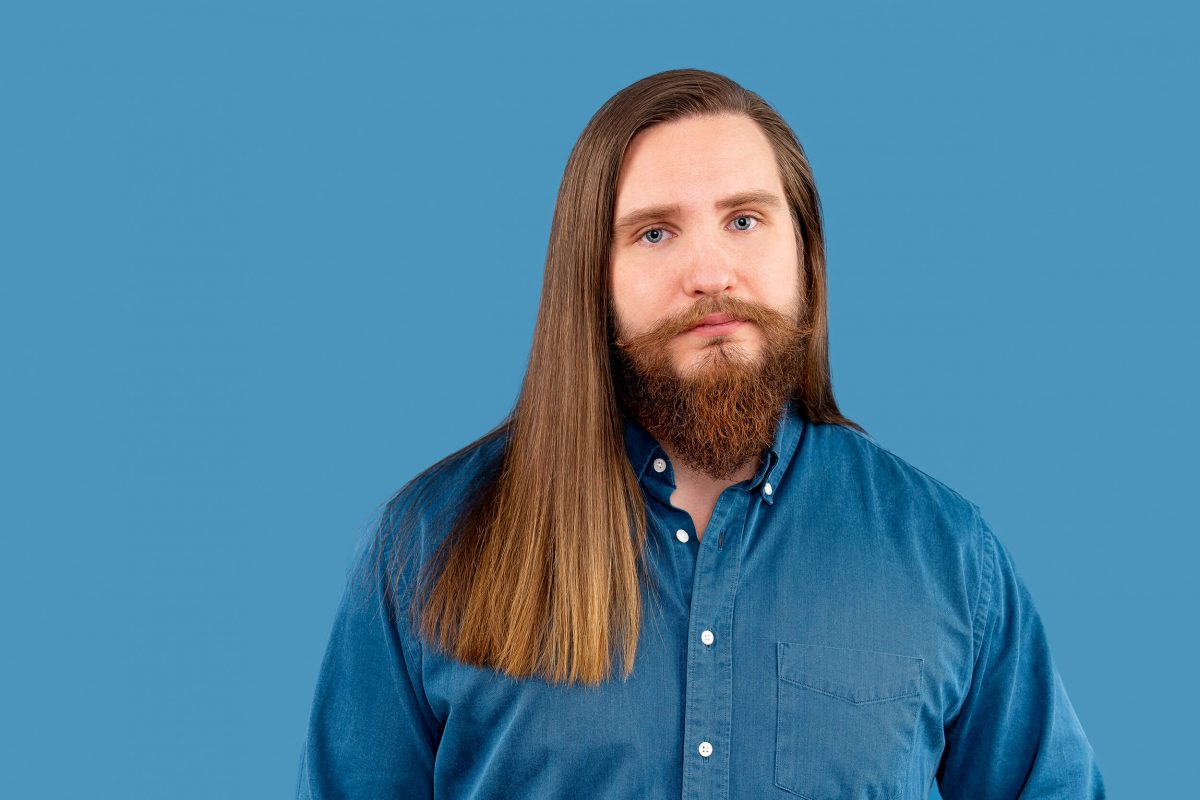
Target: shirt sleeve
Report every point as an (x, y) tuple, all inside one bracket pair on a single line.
[(371, 733), (1016, 734)]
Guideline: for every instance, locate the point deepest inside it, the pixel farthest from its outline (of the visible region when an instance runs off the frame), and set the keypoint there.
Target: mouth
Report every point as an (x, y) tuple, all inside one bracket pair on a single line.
[(716, 325)]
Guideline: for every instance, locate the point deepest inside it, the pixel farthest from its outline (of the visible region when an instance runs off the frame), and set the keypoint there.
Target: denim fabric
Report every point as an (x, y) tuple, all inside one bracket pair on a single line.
[(848, 628)]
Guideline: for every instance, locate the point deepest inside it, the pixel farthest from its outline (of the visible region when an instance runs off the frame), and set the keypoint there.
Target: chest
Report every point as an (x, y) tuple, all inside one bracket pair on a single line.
[(802, 665)]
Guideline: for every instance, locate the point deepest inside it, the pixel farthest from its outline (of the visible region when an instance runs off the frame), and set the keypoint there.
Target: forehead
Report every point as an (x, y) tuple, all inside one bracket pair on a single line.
[(693, 161)]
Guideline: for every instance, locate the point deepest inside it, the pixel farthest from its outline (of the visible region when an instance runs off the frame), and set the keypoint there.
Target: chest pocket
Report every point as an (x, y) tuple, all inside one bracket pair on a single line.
[(846, 720)]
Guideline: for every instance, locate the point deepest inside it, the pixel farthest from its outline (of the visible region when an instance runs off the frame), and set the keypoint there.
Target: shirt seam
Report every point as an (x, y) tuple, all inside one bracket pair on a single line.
[(987, 572), (905, 463)]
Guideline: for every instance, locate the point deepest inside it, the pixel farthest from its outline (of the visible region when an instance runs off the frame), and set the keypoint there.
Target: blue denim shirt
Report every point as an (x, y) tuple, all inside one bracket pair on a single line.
[(847, 628)]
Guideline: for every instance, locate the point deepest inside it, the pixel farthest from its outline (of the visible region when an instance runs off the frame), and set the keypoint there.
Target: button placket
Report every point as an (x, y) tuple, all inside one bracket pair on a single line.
[(709, 682)]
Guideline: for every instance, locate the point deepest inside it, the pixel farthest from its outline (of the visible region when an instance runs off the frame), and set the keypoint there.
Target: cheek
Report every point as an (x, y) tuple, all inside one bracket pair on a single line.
[(636, 292), (781, 270)]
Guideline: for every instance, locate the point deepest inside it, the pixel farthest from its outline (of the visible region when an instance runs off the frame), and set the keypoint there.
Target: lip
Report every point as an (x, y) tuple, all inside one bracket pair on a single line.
[(714, 319), (725, 324)]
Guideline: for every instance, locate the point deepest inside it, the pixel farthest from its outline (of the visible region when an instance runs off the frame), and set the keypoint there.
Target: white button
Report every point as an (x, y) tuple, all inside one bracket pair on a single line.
[(706, 637), (659, 465), (705, 749), (681, 535), (767, 488)]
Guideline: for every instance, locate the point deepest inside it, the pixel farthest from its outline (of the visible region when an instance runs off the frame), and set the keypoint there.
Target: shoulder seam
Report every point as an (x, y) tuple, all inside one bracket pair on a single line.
[(904, 462)]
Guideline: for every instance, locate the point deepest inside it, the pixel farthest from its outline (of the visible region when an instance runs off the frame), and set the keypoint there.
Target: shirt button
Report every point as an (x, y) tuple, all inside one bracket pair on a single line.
[(681, 535), (706, 637), (705, 749), (767, 488), (659, 465)]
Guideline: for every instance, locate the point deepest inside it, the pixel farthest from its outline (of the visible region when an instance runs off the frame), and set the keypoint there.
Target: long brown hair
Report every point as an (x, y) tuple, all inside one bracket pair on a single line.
[(541, 569)]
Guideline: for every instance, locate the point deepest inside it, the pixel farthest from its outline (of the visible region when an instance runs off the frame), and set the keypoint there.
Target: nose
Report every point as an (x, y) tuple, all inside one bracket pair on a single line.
[(709, 267)]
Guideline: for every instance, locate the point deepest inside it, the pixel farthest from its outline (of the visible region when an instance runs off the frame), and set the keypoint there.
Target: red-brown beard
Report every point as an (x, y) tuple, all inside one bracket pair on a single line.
[(723, 411)]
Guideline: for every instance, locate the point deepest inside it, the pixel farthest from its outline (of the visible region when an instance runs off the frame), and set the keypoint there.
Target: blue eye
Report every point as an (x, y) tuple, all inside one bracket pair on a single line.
[(652, 230), (659, 231)]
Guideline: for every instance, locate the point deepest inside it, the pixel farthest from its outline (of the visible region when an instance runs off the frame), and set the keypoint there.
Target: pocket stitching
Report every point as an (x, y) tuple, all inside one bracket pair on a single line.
[(907, 673), (914, 664), (842, 691)]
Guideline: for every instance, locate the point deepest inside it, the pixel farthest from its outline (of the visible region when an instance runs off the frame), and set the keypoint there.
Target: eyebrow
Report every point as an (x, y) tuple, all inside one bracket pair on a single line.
[(752, 197)]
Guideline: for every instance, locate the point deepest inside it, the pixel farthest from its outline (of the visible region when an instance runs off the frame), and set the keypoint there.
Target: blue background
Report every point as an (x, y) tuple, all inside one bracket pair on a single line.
[(263, 262)]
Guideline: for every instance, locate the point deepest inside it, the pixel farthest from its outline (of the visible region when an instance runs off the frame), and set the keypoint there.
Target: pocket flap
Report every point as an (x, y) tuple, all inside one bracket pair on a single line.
[(857, 676)]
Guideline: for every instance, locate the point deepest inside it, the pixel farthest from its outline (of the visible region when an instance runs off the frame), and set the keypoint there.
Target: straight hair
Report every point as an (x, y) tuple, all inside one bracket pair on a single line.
[(540, 571)]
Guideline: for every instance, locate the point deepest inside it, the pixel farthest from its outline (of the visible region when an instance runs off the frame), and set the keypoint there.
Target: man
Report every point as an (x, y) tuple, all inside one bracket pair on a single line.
[(675, 569)]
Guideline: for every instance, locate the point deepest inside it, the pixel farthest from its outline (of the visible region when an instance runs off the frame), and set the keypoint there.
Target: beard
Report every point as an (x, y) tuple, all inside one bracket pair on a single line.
[(721, 410)]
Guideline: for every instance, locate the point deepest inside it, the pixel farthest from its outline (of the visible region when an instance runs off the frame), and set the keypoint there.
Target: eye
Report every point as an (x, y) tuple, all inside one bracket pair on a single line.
[(658, 232), (740, 217), (657, 239)]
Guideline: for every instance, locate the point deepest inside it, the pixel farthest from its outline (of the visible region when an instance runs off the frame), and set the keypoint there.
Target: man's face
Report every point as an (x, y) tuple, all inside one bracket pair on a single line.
[(728, 246)]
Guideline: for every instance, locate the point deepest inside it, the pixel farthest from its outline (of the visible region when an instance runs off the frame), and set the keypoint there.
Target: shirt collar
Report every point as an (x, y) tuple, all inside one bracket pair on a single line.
[(643, 449)]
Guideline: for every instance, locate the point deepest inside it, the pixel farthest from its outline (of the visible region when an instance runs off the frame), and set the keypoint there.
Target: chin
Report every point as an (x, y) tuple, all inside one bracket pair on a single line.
[(710, 358)]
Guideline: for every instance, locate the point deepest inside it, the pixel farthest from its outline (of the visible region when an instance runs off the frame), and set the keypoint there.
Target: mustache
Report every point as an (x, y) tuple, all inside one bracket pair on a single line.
[(775, 324)]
